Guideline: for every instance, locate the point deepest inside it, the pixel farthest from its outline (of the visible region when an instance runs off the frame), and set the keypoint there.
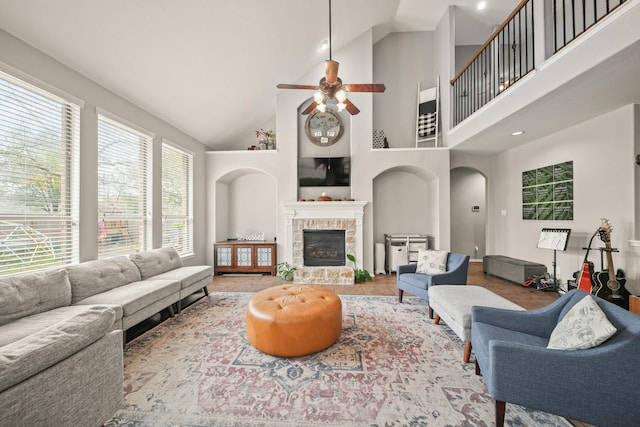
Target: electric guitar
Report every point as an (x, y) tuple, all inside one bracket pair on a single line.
[(585, 283), (610, 286)]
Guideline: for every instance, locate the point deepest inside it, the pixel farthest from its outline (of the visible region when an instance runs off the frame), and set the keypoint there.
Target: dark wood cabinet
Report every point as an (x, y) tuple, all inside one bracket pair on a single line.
[(244, 256), (634, 304)]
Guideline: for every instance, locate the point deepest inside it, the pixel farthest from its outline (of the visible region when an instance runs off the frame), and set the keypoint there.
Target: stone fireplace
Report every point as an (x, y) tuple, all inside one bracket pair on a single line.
[(341, 218)]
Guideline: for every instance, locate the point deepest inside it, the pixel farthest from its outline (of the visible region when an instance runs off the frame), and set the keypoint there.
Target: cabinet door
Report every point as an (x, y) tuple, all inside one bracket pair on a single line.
[(243, 256), (264, 256), (223, 256)]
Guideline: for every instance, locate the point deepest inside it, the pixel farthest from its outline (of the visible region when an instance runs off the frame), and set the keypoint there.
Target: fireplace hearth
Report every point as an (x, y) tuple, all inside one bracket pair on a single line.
[(323, 248)]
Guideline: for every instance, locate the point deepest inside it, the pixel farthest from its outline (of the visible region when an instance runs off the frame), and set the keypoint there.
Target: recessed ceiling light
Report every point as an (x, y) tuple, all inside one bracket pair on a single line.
[(324, 45), (518, 132), (482, 5)]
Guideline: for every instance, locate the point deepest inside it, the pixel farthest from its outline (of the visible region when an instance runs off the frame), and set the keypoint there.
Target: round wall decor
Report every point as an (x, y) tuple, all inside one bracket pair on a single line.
[(324, 128)]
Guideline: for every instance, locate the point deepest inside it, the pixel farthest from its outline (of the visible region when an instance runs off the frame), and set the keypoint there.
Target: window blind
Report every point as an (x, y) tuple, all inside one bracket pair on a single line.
[(177, 199), (39, 165), (124, 189)]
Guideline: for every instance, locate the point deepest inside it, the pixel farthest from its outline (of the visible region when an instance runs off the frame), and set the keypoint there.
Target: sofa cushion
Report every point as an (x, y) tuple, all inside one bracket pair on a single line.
[(135, 296), (432, 262), (93, 277), (187, 276), (26, 357), (28, 325), (584, 326), (152, 263), (33, 293)]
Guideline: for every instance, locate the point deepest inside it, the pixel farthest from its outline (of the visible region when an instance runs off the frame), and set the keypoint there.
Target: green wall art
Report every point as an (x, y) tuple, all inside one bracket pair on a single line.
[(547, 193)]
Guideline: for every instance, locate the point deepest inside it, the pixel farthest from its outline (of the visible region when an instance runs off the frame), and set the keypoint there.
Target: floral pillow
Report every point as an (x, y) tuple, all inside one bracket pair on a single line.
[(584, 326), (432, 262)]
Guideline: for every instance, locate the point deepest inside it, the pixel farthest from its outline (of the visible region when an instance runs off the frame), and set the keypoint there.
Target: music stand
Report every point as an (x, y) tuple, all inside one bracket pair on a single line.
[(556, 239)]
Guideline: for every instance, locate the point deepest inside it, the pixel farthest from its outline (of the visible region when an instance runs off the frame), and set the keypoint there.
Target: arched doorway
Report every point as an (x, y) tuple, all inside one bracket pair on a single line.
[(468, 212)]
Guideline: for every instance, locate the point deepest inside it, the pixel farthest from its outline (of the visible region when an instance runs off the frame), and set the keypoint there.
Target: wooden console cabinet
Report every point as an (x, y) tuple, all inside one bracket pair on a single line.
[(244, 256), (634, 304)]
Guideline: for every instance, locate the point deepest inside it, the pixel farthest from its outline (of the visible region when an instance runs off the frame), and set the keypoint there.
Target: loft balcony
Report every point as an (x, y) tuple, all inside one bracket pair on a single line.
[(550, 65)]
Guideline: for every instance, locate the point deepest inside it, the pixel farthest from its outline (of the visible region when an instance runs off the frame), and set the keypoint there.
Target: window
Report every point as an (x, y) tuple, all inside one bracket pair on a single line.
[(39, 152), (124, 188), (177, 199)]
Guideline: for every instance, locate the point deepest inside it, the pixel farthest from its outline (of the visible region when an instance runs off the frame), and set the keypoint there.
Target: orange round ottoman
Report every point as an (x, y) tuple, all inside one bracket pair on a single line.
[(294, 320)]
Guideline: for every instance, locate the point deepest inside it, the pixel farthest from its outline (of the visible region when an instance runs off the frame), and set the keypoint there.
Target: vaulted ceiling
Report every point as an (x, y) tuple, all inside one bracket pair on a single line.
[(210, 67)]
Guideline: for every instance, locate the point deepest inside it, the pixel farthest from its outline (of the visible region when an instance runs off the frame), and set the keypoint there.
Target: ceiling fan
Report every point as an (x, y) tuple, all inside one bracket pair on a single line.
[(331, 86)]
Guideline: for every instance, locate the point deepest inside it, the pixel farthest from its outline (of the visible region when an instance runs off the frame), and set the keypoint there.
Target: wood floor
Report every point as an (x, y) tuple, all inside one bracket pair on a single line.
[(385, 284)]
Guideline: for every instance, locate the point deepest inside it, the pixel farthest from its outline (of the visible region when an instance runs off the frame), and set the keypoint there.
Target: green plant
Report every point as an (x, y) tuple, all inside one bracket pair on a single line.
[(359, 275), (285, 271)]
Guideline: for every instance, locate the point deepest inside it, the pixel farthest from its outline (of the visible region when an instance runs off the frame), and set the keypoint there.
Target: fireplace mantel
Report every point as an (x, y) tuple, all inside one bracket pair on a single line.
[(346, 215), (336, 210)]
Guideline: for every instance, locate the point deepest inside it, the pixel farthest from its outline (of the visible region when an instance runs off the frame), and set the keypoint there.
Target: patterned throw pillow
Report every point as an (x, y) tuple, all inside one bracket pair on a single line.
[(584, 326), (432, 262)]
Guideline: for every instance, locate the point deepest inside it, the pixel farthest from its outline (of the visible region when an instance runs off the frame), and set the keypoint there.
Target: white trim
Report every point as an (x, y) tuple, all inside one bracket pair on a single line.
[(20, 77), (177, 147), (117, 120)]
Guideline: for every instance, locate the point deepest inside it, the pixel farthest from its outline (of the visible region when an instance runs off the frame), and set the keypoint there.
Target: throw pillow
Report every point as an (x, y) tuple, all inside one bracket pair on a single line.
[(432, 262), (584, 326)]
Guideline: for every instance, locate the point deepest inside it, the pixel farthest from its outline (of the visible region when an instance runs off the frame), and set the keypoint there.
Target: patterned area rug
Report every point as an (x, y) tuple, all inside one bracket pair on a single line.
[(390, 367)]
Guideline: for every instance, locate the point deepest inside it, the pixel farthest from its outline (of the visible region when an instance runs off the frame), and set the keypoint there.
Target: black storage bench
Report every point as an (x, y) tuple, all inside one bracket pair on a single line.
[(513, 269)]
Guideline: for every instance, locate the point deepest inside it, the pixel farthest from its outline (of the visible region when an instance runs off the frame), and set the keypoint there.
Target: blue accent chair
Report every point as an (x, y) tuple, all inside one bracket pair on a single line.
[(418, 283), (596, 386)]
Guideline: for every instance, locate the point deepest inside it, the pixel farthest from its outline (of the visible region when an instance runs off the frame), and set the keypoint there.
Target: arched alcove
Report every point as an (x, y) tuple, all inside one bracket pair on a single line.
[(468, 212), (246, 203), (405, 201)]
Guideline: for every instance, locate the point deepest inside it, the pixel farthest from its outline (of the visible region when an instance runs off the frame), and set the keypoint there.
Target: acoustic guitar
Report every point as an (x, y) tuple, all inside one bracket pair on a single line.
[(608, 285), (584, 282)]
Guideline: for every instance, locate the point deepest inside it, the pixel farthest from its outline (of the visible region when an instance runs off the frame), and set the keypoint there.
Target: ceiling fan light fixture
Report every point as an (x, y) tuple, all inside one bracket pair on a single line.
[(341, 96), (331, 87)]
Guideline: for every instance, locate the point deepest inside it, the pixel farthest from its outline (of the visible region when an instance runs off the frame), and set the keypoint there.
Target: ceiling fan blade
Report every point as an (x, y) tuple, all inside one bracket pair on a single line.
[(331, 71), (351, 108), (364, 87), (288, 86), (310, 108)]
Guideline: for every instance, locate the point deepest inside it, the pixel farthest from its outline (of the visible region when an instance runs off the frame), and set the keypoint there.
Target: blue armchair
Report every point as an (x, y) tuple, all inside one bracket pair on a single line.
[(418, 283), (597, 385)]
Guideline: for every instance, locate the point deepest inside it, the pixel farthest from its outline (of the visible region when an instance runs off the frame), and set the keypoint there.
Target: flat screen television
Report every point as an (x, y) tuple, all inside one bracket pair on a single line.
[(324, 171)]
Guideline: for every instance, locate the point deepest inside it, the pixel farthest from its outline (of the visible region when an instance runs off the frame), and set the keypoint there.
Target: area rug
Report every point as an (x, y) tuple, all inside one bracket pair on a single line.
[(390, 367)]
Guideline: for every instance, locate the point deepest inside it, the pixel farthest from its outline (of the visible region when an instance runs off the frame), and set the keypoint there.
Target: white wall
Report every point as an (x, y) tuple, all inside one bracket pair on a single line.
[(400, 61), (260, 217), (24, 58), (602, 151), (400, 204), (445, 67), (468, 227)]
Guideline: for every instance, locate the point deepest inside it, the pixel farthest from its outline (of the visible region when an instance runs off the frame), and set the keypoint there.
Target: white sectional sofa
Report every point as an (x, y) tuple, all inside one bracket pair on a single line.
[(61, 333)]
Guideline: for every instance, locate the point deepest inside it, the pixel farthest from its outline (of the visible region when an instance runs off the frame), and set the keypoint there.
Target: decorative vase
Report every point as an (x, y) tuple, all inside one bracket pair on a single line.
[(271, 144), (262, 144)]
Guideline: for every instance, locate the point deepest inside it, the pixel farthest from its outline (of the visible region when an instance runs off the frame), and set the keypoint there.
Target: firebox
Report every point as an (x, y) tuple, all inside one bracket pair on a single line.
[(324, 248)]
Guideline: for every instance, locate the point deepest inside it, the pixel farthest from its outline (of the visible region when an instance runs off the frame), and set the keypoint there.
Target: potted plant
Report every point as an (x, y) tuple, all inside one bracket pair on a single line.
[(285, 271), (359, 275)]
